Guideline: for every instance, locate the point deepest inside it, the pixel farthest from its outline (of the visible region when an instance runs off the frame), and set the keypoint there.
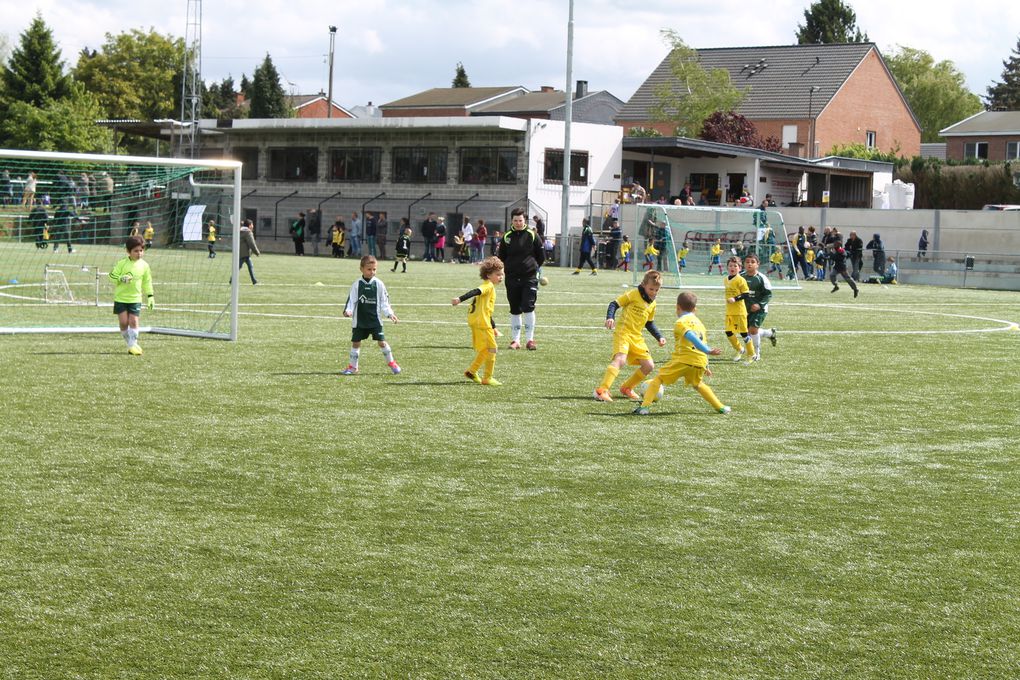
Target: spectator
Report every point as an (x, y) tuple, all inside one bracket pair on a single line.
[(371, 224), (338, 237), (467, 232), (297, 234), (428, 233), (587, 246), (855, 251), (478, 244), (28, 192), (539, 227), (615, 236), (354, 237), (381, 234), (878, 254), (314, 228), (922, 246), (246, 248), (440, 250)]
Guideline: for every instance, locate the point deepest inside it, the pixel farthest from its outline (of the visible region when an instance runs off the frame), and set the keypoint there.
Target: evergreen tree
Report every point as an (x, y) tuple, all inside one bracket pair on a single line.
[(460, 79), (267, 97), (827, 22), (245, 87), (35, 74), (1005, 96), (65, 124)]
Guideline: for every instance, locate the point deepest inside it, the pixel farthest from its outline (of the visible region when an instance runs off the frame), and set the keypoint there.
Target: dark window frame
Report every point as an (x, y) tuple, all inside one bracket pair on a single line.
[(364, 164), (294, 164), (499, 168), (552, 172), (420, 164), (249, 158)]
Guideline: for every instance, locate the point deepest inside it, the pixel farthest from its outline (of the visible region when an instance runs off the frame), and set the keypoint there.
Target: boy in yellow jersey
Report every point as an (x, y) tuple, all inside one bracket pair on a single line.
[(132, 277), (776, 263), (715, 253), (682, 255), (651, 252), (483, 332), (148, 235), (689, 360), (211, 238), (736, 310), (625, 254), (629, 346)]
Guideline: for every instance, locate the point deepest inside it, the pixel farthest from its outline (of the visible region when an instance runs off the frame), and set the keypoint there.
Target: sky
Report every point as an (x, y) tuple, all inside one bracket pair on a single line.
[(390, 49)]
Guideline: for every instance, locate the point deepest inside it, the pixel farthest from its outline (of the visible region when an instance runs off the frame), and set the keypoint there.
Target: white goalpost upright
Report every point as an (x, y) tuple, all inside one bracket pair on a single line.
[(64, 220)]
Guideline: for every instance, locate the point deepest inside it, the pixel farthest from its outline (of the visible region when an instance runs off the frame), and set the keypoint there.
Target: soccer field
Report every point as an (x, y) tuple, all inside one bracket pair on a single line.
[(230, 510)]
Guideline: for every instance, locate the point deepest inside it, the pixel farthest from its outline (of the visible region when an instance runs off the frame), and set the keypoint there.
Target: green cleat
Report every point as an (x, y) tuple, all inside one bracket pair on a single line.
[(472, 377), (491, 381), (725, 410), (642, 411)]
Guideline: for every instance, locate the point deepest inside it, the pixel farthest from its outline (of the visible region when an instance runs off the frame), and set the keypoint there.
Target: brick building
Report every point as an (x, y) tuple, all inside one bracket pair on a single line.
[(990, 135)]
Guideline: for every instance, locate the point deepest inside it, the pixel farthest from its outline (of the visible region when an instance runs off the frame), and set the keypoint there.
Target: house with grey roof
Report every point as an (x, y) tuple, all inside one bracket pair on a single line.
[(990, 135), (810, 97)]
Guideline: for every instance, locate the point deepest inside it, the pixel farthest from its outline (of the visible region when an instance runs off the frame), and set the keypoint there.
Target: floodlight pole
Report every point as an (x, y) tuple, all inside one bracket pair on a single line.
[(568, 114), (332, 42), (811, 120)]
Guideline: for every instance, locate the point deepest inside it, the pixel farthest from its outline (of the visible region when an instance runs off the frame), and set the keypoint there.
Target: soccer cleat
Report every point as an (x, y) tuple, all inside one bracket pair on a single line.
[(857, 292), (594, 272), (394, 367), (835, 287), (630, 393), (725, 410), (135, 350), (642, 411), (772, 338), (739, 357), (576, 273), (491, 381), (514, 344), (350, 370), (754, 357), (531, 345), (602, 394), (472, 377)]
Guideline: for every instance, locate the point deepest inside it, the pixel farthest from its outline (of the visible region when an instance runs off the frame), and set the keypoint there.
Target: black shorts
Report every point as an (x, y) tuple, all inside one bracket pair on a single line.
[(134, 308), (521, 294), (359, 334)]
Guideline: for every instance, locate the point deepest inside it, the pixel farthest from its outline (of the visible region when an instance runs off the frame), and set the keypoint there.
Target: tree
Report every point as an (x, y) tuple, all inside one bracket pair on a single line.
[(937, 92), (461, 77), (267, 97), (135, 75), (220, 101), (695, 92), (1005, 96), (35, 74), (733, 128), (65, 124), (829, 21)]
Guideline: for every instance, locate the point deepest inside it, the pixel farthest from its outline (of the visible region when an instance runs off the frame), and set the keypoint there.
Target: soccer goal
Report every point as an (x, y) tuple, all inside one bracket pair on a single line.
[(682, 239), (64, 220)]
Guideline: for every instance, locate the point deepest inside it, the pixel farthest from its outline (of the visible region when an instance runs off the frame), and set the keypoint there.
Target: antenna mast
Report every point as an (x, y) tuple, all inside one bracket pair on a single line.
[(191, 83)]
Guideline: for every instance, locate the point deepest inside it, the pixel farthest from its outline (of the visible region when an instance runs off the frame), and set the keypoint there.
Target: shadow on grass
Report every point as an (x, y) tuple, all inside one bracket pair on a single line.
[(629, 414), (567, 397), (331, 373), (78, 354), (437, 383)]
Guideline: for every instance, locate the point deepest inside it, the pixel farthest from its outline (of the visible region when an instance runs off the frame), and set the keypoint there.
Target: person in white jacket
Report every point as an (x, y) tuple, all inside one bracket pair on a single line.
[(367, 305)]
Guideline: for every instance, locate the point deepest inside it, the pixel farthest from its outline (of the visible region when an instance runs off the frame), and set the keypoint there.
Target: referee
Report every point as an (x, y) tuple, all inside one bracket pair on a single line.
[(522, 254)]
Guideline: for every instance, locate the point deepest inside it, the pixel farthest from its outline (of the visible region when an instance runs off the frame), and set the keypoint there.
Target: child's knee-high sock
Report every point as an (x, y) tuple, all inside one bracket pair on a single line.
[(652, 392), (633, 380), (756, 341), (609, 376), (490, 365), (126, 334), (355, 353), (529, 326), (708, 395), (387, 352), (132, 337), (515, 327), (477, 363), (733, 341)]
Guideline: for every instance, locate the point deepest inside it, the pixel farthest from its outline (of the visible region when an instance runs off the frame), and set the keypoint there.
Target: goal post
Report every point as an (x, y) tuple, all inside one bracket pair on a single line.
[(684, 236), (64, 217)]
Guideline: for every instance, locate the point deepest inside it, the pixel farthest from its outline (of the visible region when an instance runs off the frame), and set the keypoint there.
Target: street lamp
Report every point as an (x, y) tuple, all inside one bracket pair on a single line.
[(329, 102), (811, 120)]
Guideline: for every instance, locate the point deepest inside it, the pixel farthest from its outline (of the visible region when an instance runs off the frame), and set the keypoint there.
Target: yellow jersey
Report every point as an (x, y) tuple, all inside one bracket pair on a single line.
[(683, 253), (149, 233), (625, 248), (635, 312), (684, 350), (776, 258), (338, 237), (651, 250), (212, 233), (716, 249), (735, 286), (482, 306)]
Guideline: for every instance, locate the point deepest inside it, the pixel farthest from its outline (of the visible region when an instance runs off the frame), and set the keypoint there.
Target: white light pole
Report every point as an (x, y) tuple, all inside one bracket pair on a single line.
[(568, 115), (811, 121), (329, 102)]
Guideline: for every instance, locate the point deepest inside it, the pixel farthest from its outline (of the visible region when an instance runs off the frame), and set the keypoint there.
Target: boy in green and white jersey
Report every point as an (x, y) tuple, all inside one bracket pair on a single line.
[(132, 277), (367, 304)]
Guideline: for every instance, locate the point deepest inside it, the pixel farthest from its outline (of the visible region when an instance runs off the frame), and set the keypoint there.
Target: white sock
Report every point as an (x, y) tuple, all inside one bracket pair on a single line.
[(127, 337), (515, 327), (756, 341), (765, 332), (387, 352), (132, 337), (355, 352), (529, 326)]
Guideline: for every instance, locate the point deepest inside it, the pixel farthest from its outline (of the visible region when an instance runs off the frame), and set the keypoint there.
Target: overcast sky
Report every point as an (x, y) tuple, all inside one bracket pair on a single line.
[(388, 49)]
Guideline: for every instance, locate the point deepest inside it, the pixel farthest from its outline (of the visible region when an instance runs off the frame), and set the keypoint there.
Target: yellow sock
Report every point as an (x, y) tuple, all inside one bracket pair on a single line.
[(651, 392), (633, 380), (734, 341), (490, 365), (609, 376), (708, 395), (750, 347), (477, 363)]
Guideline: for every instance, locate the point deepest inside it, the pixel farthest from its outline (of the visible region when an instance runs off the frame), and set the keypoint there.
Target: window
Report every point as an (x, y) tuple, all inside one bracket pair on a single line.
[(419, 164), (249, 157), (975, 150), (488, 165), (355, 165), (295, 165), (578, 166), (1012, 151), (871, 139)]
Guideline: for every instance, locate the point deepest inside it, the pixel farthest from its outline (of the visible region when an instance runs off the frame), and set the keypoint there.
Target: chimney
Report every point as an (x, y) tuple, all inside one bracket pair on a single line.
[(548, 88), (582, 89)]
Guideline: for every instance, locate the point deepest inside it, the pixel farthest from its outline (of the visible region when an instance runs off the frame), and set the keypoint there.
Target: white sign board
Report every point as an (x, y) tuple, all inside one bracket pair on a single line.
[(192, 230)]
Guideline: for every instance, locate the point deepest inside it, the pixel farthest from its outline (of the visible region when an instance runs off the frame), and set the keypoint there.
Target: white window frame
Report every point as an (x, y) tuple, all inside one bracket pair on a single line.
[(1012, 151), (975, 149), (871, 139)]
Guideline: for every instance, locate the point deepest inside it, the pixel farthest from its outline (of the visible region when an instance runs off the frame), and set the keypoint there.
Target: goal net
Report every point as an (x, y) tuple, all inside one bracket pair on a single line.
[(64, 220), (682, 242)]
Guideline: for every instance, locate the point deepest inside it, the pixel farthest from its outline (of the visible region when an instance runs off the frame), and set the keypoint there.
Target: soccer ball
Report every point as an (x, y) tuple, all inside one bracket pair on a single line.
[(543, 281), (643, 387)]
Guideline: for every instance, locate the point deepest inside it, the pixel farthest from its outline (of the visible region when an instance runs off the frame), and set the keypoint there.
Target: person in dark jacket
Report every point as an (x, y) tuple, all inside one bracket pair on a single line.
[(297, 234), (522, 254), (922, 244), (428, 232), (878, 253), (587, 245), (855, 251), (837, 260), (246, 248)]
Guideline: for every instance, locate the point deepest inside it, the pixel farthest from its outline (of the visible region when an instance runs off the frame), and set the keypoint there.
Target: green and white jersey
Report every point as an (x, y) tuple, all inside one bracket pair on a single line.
[(368, 303), (759, 291)]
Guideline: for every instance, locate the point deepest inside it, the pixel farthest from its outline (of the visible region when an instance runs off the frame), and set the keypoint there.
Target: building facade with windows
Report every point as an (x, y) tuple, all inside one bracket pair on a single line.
[(987, 135)]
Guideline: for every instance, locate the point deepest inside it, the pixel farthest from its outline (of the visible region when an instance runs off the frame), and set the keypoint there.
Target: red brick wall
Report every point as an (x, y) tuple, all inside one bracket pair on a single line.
[(317, 109), (996, 146), (868, 101)]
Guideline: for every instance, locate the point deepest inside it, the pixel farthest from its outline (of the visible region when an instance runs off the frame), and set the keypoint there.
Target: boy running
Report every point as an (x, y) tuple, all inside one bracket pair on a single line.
[(689, 360), (629, 346), (367, 304), (736, 312), (759, 293), (483, 333), (132, 277)]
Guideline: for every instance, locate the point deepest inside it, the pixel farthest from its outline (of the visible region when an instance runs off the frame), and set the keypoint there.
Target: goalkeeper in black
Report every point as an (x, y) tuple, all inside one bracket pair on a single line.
[(522, 254)]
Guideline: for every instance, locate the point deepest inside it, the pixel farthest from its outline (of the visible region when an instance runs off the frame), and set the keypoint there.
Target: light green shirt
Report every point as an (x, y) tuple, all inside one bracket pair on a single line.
[(141, 280)]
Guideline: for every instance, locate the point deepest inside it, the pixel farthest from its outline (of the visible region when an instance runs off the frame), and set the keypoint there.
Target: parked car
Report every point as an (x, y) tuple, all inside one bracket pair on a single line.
[(1000, 206)]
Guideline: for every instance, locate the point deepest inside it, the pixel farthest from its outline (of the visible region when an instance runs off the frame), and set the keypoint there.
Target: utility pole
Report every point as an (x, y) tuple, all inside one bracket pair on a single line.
[(332, 42), (568, 115), (191, 83)]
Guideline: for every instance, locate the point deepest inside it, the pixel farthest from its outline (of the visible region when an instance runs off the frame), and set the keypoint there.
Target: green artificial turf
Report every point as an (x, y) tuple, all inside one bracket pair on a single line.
[(232, 510)]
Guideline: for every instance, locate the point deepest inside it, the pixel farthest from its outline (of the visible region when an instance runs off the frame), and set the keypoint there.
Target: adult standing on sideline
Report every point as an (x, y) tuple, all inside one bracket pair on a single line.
[(314, 228), (613, 247), (297, 234), (587, 246), (877, 253), (854, 247), (467, 232), (428, 233), (522, 254), (246, 248), (922, 244), (539, 226), (355, 234), (371, 224), (478, 244), (380, 234), (28, 191), (800, 246)]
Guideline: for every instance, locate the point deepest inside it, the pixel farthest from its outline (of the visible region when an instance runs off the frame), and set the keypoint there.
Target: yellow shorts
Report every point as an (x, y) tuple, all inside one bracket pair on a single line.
[(483, 339), (736, 323), (675, 370), (635, 349)]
